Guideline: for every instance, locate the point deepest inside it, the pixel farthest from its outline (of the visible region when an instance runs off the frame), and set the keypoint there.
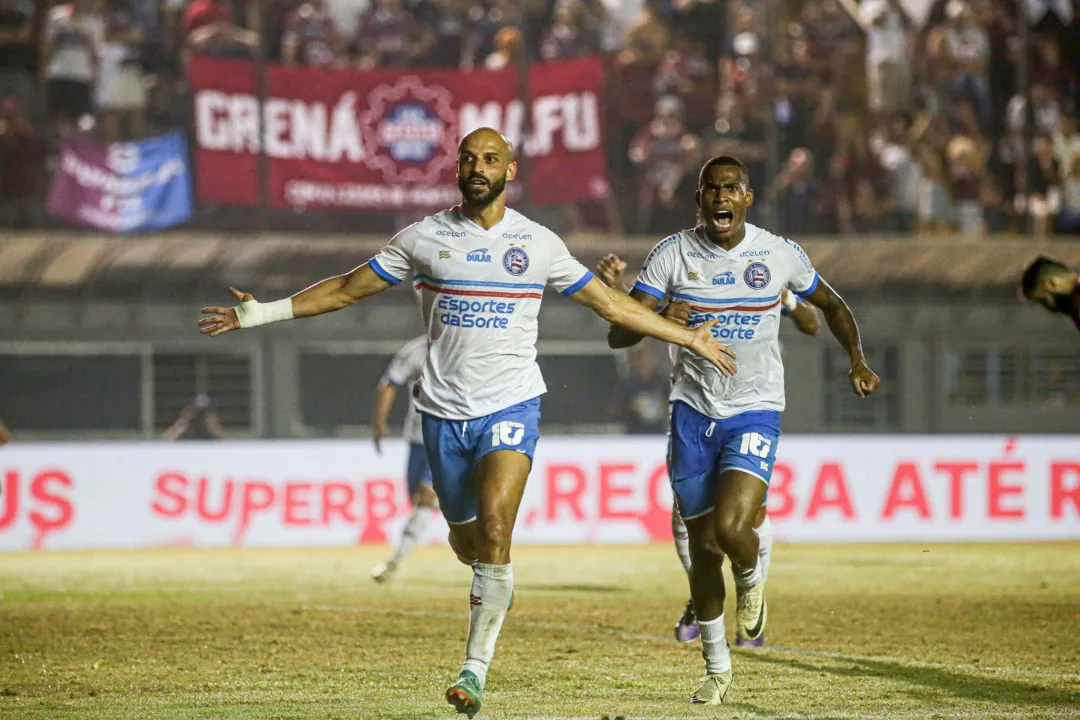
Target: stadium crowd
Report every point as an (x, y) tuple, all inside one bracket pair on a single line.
[(880, 121)]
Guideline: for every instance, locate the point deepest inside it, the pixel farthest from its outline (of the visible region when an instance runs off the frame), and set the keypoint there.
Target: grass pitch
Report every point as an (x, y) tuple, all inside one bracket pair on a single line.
[(909, 631)]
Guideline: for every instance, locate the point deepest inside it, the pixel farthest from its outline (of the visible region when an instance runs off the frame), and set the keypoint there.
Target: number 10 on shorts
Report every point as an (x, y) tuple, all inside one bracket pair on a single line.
[(755, 444)]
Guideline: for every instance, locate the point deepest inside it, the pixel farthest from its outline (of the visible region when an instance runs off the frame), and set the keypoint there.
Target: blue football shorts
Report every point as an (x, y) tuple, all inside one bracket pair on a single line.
[(701, 448), (455, 447)]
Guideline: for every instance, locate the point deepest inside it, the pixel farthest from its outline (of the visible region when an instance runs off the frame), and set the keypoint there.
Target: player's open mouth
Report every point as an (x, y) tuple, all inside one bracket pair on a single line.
[(478, 182), (722, 220)]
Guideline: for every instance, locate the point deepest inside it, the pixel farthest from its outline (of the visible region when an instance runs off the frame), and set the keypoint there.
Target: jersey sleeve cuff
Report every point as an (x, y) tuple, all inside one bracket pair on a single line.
[(579, 284), (648, 290), (381, 272), (810, 290)]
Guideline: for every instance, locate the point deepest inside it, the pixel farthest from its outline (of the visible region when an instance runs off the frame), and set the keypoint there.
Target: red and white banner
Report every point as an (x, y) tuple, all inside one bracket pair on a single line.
[(379, 139), (582, 490)]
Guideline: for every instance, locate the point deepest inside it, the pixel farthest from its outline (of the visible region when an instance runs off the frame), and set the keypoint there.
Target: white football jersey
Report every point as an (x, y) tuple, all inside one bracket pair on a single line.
[(480, 292), (741, 287), (403, 371)]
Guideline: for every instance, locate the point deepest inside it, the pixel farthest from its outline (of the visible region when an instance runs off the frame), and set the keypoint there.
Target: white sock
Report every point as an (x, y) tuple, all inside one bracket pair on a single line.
[(715, 646), (492, 588), (746, 577), (765, 541), (414, 530), (682, 539)]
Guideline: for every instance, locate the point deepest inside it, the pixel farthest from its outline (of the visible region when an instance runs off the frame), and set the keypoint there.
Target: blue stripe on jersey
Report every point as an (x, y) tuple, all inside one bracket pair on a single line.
[(579, 284), (659, 247), (724, 301), (649, 290), (381, 272), (478, 283), (813, 286)]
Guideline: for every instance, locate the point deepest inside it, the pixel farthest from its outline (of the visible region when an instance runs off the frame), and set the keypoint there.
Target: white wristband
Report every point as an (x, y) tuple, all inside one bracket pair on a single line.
[(253, 313), (790, 301)]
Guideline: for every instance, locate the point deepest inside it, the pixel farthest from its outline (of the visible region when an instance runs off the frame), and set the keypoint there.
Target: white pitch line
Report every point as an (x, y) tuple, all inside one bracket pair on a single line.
[(769, 650)]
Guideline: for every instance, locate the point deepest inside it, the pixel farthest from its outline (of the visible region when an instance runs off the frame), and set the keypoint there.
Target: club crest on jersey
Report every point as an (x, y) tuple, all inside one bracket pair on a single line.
[(515, 261), (724, 278), (478, 255), (757, 275)]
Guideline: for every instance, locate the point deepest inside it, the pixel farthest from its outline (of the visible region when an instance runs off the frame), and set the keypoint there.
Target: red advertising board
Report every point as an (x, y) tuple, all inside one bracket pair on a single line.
[(384, 139)]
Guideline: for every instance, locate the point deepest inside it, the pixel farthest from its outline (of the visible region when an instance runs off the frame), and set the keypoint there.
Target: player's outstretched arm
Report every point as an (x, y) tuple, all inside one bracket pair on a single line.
[(622, 310), (331, 294), (842, 324)]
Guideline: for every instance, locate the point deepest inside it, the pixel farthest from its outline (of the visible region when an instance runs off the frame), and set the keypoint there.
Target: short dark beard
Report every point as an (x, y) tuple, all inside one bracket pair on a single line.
[(1063, 303), (494, 190)]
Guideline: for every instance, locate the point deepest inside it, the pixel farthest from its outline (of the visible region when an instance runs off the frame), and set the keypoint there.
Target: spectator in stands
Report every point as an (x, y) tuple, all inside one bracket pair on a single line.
[(968, 44), (1066, 139), (198, 421), (1040, 185), (966, 162), (930, 136), (390, 37), (508, 48), (658, 152), (902, 172), (484, 23), (447, 21), (644, 393), (71, 44), (22, 166), (311, 38), (888, 56), (1068, 220), (568, 37), (647, 39), (799, 195), (121, 87), (687, 73), (209, 29), (17, 52)]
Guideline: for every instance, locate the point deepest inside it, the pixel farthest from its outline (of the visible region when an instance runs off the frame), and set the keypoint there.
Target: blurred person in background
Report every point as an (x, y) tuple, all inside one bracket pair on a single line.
[(447, 21), (1038, 184), (929, 138), (657, 151), (643, 393), (507, 51), (18, 52), (1053, 285), (799, 195), (1066, 139), (197, 421), (403, 371), (968, 44), (389, 36), (71, 45), (121, 89), (888, 56), (1068, 220), (568, 37), (686, 73), (311, 38), (5, 434), (967, 172), (22, 166), (209, 29), (903, 172)]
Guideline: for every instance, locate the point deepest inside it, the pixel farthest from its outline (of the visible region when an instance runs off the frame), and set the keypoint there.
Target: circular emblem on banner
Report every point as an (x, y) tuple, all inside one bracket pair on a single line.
[(410, 131), (122, 158), (515, 261), (757, 275)]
